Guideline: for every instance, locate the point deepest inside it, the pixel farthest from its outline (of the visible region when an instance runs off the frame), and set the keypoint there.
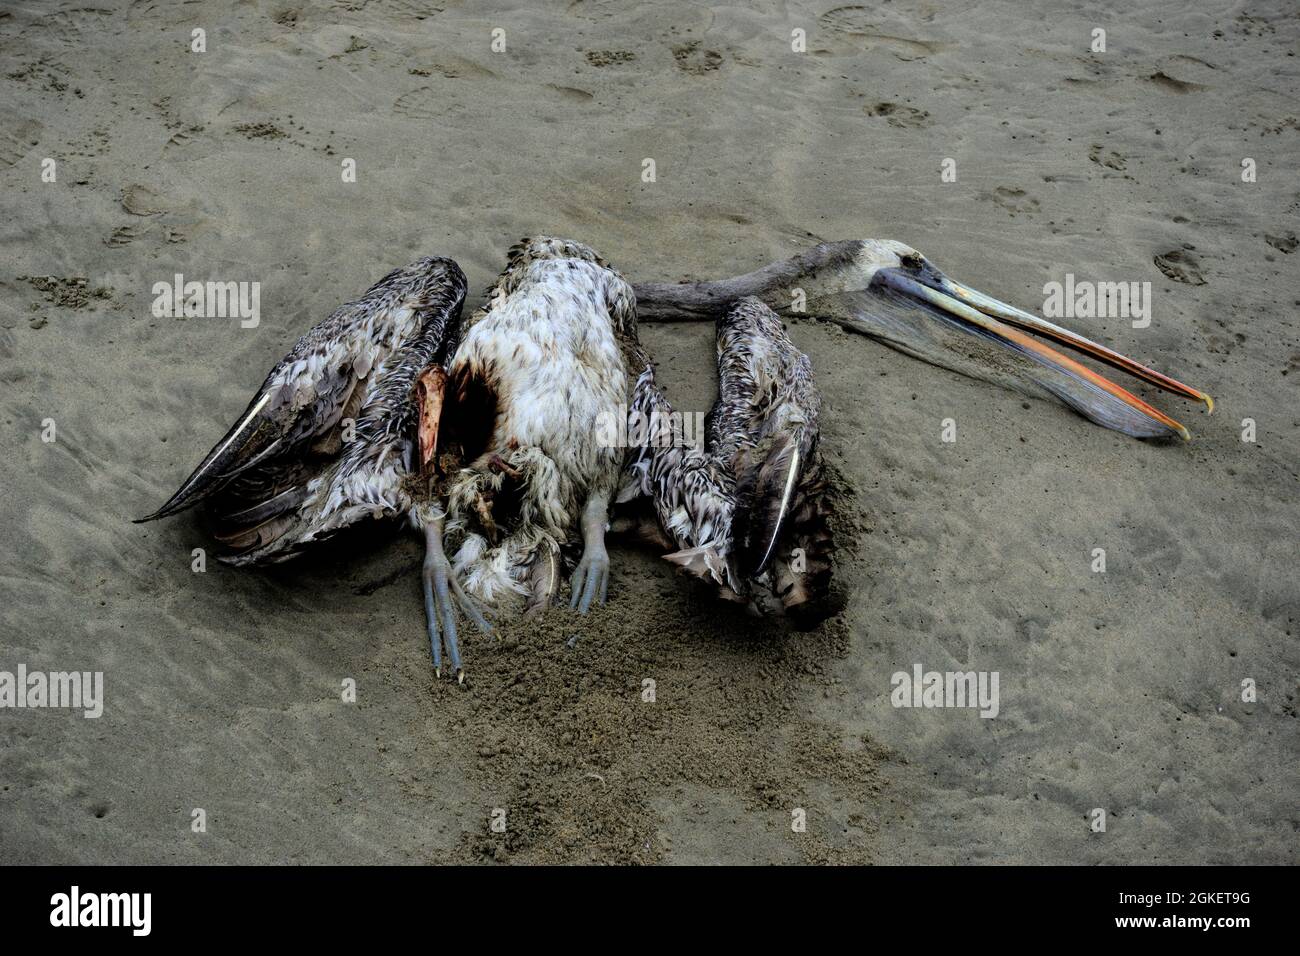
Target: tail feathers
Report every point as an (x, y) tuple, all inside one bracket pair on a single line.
[(261, 532), (287, 522), (495, 575), (250, 545), (709, 562)]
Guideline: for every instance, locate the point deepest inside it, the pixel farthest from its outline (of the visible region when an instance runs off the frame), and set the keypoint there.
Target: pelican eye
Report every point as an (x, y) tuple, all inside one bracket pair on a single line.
[(912, 260)]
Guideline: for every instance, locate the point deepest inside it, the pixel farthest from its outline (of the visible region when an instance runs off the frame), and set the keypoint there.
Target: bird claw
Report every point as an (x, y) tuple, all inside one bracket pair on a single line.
[(442, 594), (590, 578)]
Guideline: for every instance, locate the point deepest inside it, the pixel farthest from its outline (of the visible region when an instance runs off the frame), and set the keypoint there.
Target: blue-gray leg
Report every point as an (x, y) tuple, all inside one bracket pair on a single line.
[(591, 578), (441, 594)]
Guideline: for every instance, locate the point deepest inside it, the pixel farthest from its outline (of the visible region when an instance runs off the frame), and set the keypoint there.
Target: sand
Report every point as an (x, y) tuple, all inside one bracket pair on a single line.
[(1119, 690)]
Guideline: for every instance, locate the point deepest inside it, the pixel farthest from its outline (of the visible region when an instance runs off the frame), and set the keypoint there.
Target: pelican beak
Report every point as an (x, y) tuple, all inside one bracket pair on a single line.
[(1007, 325), (429, 390)]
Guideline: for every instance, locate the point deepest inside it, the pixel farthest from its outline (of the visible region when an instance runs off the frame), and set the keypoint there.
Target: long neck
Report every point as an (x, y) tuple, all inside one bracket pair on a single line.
[(698, 301)]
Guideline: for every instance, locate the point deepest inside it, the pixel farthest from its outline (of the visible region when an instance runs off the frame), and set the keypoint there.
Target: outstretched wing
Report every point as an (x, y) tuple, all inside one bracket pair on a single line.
[(368, 479), (741, 508), (289, 432)]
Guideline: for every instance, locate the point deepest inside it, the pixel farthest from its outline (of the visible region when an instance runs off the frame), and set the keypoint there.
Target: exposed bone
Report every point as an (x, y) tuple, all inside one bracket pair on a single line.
[(429, 390)]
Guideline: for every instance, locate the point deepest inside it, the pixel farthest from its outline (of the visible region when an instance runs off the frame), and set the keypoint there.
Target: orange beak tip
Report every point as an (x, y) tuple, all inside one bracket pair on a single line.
[(1209, 403)]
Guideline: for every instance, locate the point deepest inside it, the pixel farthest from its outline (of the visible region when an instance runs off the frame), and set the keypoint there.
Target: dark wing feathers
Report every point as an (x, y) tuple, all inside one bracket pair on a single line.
[(766, 493), (751, 510), (302, 400), (288, 473), (765, 424), (365, 477), (272, 507), (690, 491)]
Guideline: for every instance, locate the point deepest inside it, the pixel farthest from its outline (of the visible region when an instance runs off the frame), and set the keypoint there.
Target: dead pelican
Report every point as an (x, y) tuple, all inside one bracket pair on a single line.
[(521, 465), (493, 439), (889, 291), (741, 510), (378, 412)]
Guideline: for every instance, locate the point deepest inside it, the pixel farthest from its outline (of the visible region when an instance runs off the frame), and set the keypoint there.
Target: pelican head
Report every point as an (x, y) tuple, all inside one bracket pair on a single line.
[(888, 290)]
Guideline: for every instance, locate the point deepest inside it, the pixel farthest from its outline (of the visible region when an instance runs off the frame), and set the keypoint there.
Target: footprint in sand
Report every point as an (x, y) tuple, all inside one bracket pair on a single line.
[(1013, 200), (1155, 550), (181, 139), (453, 68), (859, 22), (691, 59), (421, 104), (571, 92), (1174, 85), (904, 117), (608, 57), (1181, 266), (17, 136), (122, 236), (1285, 244), (82, 26), (1181, 74), (1107, 157), (142, 201), (415, 9)]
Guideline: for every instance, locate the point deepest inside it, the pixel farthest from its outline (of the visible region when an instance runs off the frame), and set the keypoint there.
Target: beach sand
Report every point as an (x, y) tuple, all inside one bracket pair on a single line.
[(1119, 691)]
